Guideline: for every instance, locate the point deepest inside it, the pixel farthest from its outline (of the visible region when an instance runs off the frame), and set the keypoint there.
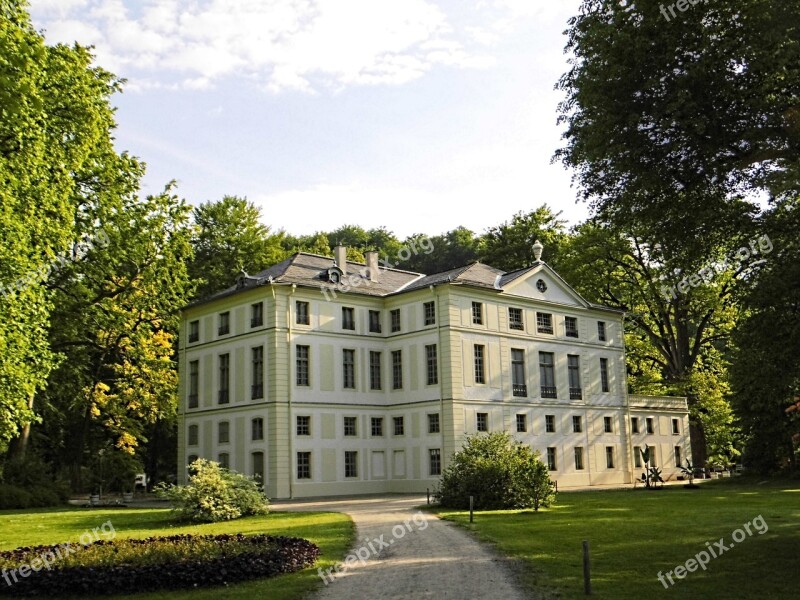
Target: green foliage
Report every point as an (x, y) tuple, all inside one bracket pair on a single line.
[(509, 246), (215, 494), (498, 472), (229, 238), (453, 249)]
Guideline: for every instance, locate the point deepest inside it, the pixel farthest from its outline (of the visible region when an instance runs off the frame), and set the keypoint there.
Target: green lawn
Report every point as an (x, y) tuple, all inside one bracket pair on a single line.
[(332, 532), (635, 534)]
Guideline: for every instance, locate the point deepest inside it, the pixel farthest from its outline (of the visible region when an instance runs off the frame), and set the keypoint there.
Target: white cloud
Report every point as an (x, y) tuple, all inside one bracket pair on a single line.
[(304, 45)]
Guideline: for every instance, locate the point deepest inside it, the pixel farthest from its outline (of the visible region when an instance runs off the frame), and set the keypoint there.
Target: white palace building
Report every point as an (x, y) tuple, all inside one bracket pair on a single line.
[(329, 377)]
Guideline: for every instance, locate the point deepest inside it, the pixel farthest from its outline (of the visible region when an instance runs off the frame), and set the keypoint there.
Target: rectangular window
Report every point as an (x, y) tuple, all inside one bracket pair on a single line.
[(574, 372), (350, 426), (193, 435), (519, 387), (432, 364), (550, 423), (303, 425), (577, 424), (515, 319), (477, 313), (257, 429), (435, 461), (522, 423), (301, 313), (433, 423), (429, 310), (610, 457), (395, 318), (258, 467), (652, 456), (194, 331), (482, 421), (637, 457), (348, 318), (375, 362), (349, 369), (304, 465), (551, 459), (397, 369), (677, 456), (604, 375), (224, 378), (257, 314), (399, 425), (579, 459), (194, 383), (601, 331), (350, 464), (635, 424), (676, 429), (571, 326), (608, 425), (302, 365), (224, 323), (650, 428), (480, 373), (377, 426), (375, 321), (544, 322), (257, 384), (223, 432), (547, 375), (224, 460)]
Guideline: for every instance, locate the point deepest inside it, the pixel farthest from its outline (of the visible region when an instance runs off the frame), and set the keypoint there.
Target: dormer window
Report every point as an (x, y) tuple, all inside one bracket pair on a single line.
[(335, 275)]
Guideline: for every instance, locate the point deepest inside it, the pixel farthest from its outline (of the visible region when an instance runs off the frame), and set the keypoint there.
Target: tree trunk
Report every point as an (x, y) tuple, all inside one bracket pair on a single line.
[(19, 446)]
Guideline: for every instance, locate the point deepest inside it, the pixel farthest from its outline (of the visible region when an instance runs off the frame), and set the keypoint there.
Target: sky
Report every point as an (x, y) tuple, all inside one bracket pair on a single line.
[(415, 115)]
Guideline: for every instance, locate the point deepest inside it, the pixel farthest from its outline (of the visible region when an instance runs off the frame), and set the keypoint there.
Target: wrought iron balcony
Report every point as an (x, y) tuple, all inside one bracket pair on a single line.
[(520, 390), (257, 391), (575, 393), (223, 397), (549, 392)]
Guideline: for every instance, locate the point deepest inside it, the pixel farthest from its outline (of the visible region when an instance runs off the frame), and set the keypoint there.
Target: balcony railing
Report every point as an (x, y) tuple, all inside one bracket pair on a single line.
[(193, 400), (520, 390), (223, 397), (224, 330), (544, 329), (257, 391), (549, 392), (256, 322), (572, 333), (575, 393), (194, 337)]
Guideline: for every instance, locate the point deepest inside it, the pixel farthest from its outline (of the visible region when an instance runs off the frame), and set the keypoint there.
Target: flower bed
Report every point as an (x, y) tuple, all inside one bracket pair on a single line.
[(157, 563)]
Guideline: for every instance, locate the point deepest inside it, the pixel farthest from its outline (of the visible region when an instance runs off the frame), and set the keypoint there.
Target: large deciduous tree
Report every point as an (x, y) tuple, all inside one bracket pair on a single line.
[(230, 237), (56, 158)]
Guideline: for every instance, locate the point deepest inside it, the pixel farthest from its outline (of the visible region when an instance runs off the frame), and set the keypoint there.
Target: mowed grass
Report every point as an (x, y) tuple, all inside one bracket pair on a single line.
[(332, 532), (634, 534)]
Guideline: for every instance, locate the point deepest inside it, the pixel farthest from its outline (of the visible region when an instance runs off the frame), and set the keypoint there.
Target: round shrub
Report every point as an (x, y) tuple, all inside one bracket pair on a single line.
[(152, 564), (498, 472), (12, 496), (215, 494)]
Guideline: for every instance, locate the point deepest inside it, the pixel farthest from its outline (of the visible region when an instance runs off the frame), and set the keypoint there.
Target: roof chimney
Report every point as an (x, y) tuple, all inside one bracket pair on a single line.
[(372, 264), (340, 256)]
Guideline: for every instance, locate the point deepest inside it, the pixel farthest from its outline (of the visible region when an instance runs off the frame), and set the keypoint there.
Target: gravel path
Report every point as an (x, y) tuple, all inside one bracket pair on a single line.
[(401, 552)]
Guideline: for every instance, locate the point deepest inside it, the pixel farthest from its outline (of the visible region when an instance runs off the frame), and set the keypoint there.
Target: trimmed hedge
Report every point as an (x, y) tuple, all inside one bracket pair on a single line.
[(232, 558), (37, 496)]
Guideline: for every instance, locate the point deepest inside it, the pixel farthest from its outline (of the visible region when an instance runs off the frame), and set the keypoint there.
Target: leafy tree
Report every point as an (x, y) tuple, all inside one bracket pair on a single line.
[(498, 472), (671, 122), (509, 246), (56, 158), (230, 237), (116, 323), (765, 370), (673, 339), (215, 494), (455, 248)]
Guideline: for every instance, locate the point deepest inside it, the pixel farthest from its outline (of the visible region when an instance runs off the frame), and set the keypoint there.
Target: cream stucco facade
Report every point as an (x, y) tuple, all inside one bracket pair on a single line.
[(326, 392)]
